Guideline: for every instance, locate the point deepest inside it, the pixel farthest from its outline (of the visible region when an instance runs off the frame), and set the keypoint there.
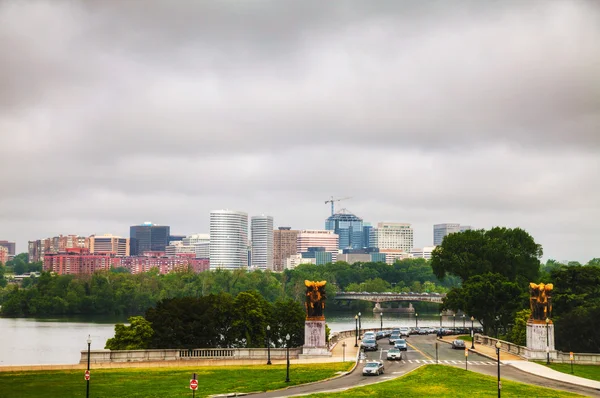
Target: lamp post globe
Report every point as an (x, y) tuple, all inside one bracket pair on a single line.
[(416, 320), (463, 317), (268, 344), (287, 355)]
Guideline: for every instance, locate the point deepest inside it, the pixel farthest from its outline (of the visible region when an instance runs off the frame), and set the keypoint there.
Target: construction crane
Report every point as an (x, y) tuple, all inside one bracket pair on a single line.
[(333, 200)]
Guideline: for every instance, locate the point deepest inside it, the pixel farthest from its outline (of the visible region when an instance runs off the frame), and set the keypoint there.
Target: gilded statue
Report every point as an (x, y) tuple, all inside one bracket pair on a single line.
[(540, 301), (315, 299)]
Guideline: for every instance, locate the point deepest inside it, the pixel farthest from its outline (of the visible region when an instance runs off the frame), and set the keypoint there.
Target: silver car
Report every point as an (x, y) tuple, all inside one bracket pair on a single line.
[(373, 368), (394, 354)]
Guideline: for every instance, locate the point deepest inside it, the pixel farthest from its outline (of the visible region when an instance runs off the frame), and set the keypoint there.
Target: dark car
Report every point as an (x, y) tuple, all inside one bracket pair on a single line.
[(369, 345), (458, 344), (373, 368), (401, 345), (395, 336)]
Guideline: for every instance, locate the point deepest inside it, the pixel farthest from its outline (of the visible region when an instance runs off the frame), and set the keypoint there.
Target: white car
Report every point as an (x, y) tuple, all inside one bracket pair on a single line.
[(369, 336), (404, 332), (394, 354)]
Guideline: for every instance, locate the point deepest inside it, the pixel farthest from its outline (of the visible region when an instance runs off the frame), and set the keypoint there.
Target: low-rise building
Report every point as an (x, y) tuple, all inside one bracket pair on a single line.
[(296, 259), (423, 252), (392, 255), (3, 255), (76, 261), (10, 246)]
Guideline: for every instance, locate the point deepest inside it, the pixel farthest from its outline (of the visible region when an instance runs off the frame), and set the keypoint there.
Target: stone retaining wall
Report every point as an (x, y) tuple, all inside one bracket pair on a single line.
[(524, 352), (116, 356)]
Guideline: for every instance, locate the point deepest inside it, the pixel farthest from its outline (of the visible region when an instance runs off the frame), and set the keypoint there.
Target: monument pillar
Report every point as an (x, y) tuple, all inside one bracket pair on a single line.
[(540, 328), (315, 344)]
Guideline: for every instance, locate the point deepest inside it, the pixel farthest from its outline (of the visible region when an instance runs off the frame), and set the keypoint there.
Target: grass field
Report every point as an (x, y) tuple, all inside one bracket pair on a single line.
[(161, 382), (446, 381), (464, 337), (588, 371)]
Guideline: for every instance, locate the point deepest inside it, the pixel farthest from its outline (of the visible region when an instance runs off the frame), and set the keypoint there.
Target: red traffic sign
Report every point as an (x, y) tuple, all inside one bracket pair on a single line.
[(87, 375), (193, 384)]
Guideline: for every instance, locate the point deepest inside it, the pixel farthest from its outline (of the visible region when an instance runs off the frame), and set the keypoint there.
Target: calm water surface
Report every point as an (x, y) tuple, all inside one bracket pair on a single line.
[(60, 341)]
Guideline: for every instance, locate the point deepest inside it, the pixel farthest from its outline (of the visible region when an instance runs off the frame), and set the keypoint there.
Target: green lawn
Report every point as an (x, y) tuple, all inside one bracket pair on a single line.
[(162, 382), (464, 337), (588, 371), (446, 381)]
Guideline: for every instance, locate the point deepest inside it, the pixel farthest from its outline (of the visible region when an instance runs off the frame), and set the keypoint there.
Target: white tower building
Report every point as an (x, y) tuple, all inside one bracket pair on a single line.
[(228, 239), (262, 241)]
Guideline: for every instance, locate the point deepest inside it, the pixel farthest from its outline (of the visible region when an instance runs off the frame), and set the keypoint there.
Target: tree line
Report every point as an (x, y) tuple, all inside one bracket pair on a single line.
[(216, 320), (117, 292)]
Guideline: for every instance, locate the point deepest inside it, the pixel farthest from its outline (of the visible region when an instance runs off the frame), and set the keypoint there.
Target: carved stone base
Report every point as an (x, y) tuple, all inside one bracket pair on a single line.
[(314, 334), (540, 340), (314, 340)]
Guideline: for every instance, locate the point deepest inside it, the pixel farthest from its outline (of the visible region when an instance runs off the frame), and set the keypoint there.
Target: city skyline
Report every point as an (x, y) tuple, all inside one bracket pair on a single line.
[(479, 113)]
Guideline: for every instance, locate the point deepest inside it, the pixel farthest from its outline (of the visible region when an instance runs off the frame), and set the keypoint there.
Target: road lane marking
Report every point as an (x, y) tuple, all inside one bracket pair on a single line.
[(419, 351)]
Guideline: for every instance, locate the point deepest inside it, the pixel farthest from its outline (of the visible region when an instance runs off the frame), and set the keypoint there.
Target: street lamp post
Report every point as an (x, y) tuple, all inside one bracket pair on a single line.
[(472, 334), (87, 389), (344, 351), (498, 345), (454, 325), (359, 326), (463, 321), (287, 355), (355, 330), (381, 320), (416, 320), (547, 342), (441, 314), (268, 345)]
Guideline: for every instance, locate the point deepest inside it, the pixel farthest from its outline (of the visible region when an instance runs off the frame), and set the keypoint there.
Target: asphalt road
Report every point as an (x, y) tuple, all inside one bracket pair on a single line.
[(422, 350)]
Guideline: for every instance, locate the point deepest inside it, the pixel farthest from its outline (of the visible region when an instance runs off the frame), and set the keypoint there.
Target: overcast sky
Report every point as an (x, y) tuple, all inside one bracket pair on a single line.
[(485, 113)]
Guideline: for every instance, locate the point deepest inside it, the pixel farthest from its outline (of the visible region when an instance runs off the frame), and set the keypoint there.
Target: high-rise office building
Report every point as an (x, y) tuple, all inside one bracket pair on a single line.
[(441, 230), (148, 237), (109, 244), (201, 244), (318, 238), (392, 235), (348, 227), (285, 244), (10, 247), (228, 239), (262, 241)]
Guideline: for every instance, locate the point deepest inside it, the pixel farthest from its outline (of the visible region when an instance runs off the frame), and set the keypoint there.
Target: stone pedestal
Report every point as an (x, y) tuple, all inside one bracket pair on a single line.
[(314, 340), (540, 340)]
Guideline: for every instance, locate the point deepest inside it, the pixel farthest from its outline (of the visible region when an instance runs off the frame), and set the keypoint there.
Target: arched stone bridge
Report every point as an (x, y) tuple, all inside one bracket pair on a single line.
[(388, 296)]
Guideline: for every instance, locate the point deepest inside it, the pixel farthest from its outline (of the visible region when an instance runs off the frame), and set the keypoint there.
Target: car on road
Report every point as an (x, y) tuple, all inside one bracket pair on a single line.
[(401, 345), (394, 354), (369, 345), (373, 368), (395, 336), (404, 332), (458, 344), (379, 335), (369, 336)]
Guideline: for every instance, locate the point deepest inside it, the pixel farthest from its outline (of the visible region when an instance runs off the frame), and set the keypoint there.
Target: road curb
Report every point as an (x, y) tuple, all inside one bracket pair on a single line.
[(472, 350), (312, 382)]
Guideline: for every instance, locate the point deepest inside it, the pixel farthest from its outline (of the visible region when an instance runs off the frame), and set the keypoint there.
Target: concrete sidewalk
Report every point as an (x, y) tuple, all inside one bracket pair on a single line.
[(544, 371), (486, 351)]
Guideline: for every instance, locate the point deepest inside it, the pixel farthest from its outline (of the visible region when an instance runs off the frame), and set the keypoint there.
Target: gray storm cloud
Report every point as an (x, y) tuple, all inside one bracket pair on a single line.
[(484, 113)]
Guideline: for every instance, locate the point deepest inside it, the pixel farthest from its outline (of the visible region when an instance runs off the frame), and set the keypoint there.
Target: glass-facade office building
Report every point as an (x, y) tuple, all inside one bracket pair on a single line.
[(148, 237), (349, 228)]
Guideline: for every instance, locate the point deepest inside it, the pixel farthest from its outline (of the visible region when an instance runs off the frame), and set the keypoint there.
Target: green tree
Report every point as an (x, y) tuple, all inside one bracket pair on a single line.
[(288, 318), (518, 333), (491, 298), (511, 253), (251, 312), (595, 262), (136, 336)]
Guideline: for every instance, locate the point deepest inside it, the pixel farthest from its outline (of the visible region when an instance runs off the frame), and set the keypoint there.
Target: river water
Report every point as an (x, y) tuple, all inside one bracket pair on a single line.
[(29, 341)]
